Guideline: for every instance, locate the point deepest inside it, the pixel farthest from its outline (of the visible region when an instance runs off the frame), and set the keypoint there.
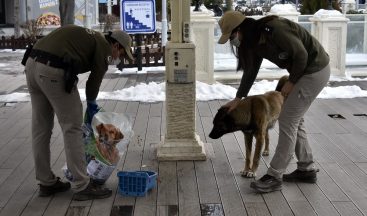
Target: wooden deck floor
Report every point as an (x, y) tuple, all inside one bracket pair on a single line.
[(191, 188)]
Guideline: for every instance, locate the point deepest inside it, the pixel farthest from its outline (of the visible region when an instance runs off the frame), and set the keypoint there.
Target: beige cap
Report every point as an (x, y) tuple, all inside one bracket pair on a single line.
[(229, 21), (124, 39)]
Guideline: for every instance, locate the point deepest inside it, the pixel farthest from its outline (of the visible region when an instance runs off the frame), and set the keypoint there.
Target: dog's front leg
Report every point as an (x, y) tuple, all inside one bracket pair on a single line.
[(247, 171), (266, 150)]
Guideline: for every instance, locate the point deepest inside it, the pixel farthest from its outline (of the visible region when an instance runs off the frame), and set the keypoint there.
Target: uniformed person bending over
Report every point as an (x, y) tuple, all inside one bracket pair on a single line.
[(51, 72), (291, 47)]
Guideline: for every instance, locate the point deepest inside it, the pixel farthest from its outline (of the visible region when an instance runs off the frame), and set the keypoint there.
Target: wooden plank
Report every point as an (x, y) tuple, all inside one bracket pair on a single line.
[(350, 123), (167, 184), (4, 173), (156, 110), (121, 107), (135, 149), (302, 208), (26, 188), (354, 192), (141, 78), (277, 204), (317, 199), (320, 115), (204, 109), (11, 184), (353, 149), (155, 77), (77, 211), (206, 181), (187, 189), (148, 205), (329, 188), (121, 83), (212, 210), (122, 210), (356, 174), (170, 210), (362, 166), (336, 154), (12, 128), (257, 208), (348, 107), (9, 149), (295, 197), (347, 209)]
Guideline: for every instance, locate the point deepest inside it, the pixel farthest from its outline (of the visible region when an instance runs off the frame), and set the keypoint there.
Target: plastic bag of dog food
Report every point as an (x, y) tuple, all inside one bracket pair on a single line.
[(105, 141), (111, 132)]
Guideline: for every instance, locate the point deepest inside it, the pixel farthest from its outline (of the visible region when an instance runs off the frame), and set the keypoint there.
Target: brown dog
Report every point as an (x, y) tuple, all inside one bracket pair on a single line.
[(254, 116), (108, 137)]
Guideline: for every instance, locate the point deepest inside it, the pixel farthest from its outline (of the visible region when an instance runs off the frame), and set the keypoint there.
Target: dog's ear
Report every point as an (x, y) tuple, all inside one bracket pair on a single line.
[(99, 127), (223, 110), (119, 135), (281, 83)]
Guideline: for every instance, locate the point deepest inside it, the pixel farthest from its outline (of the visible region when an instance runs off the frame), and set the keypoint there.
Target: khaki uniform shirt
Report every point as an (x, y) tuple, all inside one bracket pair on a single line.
[(289, 46), (87, 47)]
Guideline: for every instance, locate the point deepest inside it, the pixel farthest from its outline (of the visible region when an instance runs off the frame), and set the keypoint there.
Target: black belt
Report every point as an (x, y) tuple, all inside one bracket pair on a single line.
[(47, 59)]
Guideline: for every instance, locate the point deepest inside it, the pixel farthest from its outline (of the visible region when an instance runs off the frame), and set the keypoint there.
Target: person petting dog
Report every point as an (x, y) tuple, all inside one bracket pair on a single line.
[(51, 71), (290, 47)]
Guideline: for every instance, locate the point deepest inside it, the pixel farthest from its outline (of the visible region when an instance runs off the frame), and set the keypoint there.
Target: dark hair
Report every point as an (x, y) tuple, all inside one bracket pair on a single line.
[(251, 30)]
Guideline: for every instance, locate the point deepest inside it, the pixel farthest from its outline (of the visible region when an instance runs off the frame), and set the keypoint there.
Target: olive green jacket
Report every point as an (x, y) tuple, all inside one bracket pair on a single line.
[(289, 46), (86, 47)]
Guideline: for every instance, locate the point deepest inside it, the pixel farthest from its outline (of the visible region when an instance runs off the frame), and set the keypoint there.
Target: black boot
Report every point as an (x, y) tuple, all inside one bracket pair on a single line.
[(59, 186), (301, 176), (92, 191), (267, 184)]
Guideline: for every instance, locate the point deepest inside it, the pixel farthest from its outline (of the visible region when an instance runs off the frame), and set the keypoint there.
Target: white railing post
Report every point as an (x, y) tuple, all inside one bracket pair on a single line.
[(286, 11), (202, 36), (365, 31), (330, 28)]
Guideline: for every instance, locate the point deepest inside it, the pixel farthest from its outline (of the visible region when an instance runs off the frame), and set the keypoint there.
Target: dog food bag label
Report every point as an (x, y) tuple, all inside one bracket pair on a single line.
[(99, 170)]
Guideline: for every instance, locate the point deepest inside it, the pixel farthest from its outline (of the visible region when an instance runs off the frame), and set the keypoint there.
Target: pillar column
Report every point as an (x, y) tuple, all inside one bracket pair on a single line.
[(203, 35), (180, 141), (330, 28), (286, 11)]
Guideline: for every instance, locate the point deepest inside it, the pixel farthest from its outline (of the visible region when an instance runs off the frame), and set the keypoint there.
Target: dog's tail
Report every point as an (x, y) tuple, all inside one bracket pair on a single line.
[(281, 83)]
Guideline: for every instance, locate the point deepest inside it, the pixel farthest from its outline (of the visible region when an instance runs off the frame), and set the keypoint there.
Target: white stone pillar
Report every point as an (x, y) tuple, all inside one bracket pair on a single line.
[(202, 36), (330, 28), (180, 141), (365, 31), (287, 11)]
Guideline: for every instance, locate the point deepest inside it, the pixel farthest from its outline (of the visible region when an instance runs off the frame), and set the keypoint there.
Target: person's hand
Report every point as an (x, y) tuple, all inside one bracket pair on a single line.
[(231, 105), (92, 109), (287, 88)]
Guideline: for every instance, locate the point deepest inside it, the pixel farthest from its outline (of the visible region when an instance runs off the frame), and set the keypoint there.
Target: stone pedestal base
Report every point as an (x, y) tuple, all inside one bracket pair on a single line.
[(181, 149)]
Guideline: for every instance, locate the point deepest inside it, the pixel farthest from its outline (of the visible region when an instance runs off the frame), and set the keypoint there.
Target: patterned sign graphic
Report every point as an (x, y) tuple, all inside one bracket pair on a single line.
[(138, 16)]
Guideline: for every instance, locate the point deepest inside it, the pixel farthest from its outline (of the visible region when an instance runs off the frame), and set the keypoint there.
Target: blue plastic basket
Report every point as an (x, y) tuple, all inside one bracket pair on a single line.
[(136, 183)]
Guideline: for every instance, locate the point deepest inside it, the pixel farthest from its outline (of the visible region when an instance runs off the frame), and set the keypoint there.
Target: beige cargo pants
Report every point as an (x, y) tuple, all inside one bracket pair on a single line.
[(292, 134), (48, 97)]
